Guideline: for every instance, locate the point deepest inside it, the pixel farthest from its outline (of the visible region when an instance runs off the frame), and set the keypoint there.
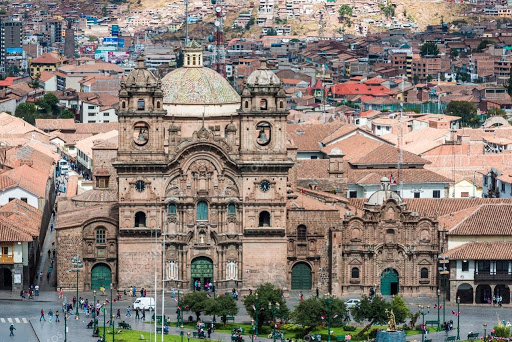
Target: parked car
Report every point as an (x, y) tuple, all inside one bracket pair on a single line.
[(144, 303), (352, 302)]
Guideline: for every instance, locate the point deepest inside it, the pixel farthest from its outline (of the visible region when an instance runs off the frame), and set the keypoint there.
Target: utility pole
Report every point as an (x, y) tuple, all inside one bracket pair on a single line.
[(186, 23)]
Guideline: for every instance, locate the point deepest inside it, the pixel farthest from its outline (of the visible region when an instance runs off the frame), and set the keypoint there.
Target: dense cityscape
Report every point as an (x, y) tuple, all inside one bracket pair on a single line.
[(275, 170)]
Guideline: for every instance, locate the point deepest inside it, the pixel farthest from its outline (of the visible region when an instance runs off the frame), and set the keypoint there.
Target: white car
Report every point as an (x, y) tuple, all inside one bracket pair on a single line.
[(352, 302), (144, 303)]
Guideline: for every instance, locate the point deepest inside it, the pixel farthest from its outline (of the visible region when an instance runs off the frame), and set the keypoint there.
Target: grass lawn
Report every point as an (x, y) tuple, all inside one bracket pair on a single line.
[(134, 336)]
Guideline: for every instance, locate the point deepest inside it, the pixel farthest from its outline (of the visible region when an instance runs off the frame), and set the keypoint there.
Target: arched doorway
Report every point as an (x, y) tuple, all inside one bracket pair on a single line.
[(201, 269), (483, 294), (465, 292), (301, 276), (5, 279), (502, 291), (389, 282), (101, 276)]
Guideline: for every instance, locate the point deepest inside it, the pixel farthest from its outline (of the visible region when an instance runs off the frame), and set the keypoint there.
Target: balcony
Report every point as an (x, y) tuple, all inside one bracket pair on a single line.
[(488, 276), (6, 259)]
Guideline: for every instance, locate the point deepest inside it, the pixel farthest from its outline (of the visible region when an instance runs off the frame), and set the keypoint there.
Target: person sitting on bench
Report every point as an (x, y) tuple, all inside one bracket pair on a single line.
[(90, 324)]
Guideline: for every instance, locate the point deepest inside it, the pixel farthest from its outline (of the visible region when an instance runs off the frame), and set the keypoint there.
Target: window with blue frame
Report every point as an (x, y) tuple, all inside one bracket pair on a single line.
[(202, 211), (231, 209), (172, 209)]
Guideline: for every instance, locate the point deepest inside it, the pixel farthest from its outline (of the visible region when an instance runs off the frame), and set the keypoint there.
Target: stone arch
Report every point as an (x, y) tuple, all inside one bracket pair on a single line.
[(502, 291), (140, 219), (264, 219), (389, 282), (301, 276), (465, 292), (483, 294), (495, 121)]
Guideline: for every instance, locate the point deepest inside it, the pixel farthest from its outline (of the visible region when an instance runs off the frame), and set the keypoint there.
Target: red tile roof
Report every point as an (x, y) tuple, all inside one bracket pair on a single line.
[(496, 250), (8, 81), (307, 136), (487, 219), (344, 89), (29, 179), (46, 58)]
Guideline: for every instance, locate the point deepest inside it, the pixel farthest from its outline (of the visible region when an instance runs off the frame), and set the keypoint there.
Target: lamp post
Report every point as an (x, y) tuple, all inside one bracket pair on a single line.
[(485, 331), (458, 318), (328, 297), (111, 312), (65, 326), (422, 311), (181, 333), (443, 271), (179, 311), (94, 313), (274, 310), (188, 336), (438, 326), (257, 313), (252, 330), (77, 266), (213, 284), (104, 323)]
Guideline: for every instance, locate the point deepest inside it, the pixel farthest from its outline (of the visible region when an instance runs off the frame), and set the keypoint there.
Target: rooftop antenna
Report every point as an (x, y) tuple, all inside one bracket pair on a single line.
[(400, 151), (219, 54)]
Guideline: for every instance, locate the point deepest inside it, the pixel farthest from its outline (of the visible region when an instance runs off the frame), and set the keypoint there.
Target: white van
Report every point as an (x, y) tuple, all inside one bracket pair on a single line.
[(144, 303)]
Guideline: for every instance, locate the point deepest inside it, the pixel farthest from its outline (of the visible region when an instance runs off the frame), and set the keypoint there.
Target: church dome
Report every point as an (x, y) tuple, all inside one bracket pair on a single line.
[(263, 76), (193, 84)]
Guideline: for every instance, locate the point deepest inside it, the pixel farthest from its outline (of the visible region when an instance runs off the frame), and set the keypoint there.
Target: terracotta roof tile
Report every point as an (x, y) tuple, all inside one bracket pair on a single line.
[(386, 154), (354, 147), (46, 58), (55, 124), (497, 250), (76, 218), (307, 136), (10, 232), (29, 179), (487, 219)]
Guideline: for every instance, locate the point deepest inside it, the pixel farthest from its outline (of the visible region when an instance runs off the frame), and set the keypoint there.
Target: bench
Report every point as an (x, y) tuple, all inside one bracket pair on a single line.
[(432, 323), (340, 338), (450, 338), (429, 340), (230, 318), (236, 339), (159, 330), (125, 325), (472, 336)]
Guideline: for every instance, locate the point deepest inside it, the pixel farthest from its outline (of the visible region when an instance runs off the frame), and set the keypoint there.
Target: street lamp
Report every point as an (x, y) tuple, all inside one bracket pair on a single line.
[(181, 333), (443, 271), (213, 284), (257, 313), (328, 297), (94, 314), (485, 331), (179, 311), (438, 294), (65, 326), (77, 266), (111, 313), (274, 310), (104, 323), (458, 318), (423, 313), (188, 336), (252, 330), (113, 329)]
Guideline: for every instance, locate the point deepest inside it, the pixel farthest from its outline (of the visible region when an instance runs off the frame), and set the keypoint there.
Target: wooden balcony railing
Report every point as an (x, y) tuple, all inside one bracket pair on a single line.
[(6, 259)]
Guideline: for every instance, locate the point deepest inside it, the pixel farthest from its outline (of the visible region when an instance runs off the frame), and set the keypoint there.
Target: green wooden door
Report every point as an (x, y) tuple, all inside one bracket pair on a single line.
[(389, 282), (101, 276), (201, 269), (301, 276)]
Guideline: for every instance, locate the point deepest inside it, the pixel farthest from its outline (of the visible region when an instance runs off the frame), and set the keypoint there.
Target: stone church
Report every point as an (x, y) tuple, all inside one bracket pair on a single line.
[(200, 185)]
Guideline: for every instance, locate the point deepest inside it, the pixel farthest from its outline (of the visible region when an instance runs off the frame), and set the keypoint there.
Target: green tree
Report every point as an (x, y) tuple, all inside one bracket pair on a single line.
[(196, 302), (345, 14), (466, 110), (104, 11), (454, 53), (494, 111), (509, 85), (405, 13), (373, 311), (271, 32), (429, 78), (267, 293), (222, 306), (93, 38), (51, 99), (3, 11), (44, 107), (483, 45), (25, 109), (313, 312), (501, 330), (400, 309), (429, 49), (416, 79), (67, 114), (388, 9)]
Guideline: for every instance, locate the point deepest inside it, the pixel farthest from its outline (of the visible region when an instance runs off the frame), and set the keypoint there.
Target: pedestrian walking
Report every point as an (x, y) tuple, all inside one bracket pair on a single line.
[(145, 292), (118, 315), (61, 294), (301, 296), (142, 292), (57, 316), (143, 315), (42, 316), (50, 315), (128, 313), (137, 313), (22, 294), (133, 291), (49, 252), (172, 293), (209, 331), (317, 292), (12, 328), (53, 252)]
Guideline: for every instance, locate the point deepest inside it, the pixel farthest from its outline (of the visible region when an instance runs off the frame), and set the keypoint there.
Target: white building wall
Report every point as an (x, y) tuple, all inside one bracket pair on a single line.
[(469, 274), (18, 193), (426, 190), (18, 253)]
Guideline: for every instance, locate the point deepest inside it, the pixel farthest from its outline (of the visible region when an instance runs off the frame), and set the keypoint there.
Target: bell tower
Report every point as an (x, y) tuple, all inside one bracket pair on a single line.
[(141, 133)]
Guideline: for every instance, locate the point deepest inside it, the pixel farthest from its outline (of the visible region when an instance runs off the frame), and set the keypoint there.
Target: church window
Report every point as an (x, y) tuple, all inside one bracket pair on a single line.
[(264, 220), (100, 235), (246, 104), (263, 104), (188, 60), (202, 211), (141, 105), (424, 273), (301, 232), (158, 104), (123, 104), (194, 60), (355, 272), (140, 219), (281, 105), (465, 266), (172, 209), (231, 209), (102, 182)]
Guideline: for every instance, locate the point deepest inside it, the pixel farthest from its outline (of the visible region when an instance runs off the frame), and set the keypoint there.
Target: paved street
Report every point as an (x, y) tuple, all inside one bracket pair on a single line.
[(25, 316)]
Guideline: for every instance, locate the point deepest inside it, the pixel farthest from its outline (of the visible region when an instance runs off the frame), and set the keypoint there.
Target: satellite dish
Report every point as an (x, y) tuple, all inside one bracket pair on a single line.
[(217, 23), (217, 9)]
